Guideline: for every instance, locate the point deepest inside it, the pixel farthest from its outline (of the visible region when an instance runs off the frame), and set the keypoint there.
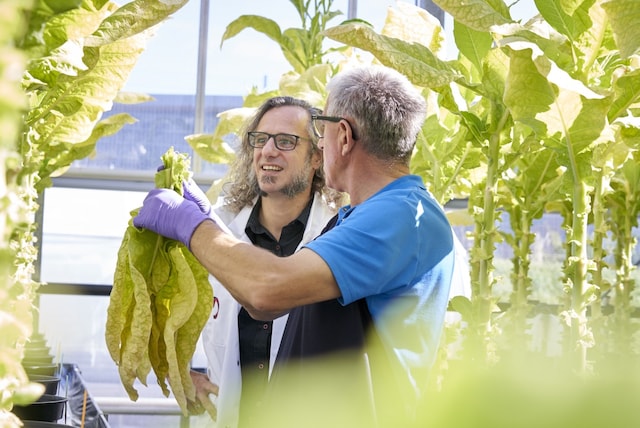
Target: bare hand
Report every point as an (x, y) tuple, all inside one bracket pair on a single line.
[(203, 388)]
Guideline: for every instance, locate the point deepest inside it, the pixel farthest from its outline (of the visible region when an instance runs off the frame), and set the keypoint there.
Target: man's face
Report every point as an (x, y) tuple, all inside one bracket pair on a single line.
[(332, 159), (287, 173)]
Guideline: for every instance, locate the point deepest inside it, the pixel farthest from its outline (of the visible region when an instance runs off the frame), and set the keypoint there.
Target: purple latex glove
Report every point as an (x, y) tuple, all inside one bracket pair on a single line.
[(169, 214), (193, 193)]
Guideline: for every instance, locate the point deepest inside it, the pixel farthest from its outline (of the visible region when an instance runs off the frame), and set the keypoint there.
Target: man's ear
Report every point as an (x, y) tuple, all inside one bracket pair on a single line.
[(346, 138), (316, 159)]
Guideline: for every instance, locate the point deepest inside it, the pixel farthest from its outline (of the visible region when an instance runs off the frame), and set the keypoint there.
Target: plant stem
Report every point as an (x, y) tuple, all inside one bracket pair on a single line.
[(578, 267), (624, 282), (482, 260)]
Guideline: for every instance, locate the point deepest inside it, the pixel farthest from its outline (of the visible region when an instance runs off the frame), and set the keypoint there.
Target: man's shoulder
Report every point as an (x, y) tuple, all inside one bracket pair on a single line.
[(225, 213), (232, 217), (322, 208)]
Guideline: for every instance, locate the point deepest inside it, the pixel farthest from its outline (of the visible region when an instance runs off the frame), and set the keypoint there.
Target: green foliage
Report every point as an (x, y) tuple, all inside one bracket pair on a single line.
[(302, 47), (532, 392), (17, 255), (63, 64), (76, 74), (528, 119), (624, 24), (417, 61)]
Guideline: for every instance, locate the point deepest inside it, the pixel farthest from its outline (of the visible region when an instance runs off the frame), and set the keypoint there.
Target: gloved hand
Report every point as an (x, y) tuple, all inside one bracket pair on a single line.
[(193, 193), (168, 214)]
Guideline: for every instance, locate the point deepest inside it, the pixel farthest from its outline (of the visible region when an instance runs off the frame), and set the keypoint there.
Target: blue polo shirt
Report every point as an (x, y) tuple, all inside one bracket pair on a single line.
[(395, 250)]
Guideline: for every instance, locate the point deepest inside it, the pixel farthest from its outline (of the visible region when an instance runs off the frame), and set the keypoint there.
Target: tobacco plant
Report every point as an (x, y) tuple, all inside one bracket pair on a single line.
[(624, 203), (555, 82), (530, 118), (17, 289), (63, 65), (302, 47), (533, 172)]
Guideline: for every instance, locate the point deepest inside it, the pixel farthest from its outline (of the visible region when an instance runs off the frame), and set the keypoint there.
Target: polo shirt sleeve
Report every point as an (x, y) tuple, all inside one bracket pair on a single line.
[(372, 251)]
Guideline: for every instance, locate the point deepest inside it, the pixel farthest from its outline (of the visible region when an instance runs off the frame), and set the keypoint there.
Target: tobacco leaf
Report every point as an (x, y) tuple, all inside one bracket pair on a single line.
[(120, 299), (187, 339), (182, 304)]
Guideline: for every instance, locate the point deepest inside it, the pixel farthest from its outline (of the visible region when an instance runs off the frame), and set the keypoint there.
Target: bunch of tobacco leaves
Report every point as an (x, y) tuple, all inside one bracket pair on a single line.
[(160, 301)]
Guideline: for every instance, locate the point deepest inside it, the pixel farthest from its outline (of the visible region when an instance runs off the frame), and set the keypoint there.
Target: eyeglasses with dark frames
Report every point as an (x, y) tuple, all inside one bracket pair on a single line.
[(318, 124), (283, 142)]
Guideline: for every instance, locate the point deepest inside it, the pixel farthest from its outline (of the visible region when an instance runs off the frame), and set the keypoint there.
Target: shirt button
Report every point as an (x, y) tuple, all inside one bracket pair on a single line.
[(265, 326), (260, 366)]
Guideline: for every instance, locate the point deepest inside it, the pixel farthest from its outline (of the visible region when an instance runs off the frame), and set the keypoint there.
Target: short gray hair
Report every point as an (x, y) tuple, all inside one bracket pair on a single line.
[(387, 109)]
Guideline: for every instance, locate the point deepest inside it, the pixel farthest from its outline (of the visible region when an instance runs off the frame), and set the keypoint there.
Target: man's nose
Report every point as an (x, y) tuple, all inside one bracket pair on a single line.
[(270, 146)]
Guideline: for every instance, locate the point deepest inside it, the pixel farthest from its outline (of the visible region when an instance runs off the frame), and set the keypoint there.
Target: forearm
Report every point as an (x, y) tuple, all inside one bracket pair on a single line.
[(243, 269), (265, 284)]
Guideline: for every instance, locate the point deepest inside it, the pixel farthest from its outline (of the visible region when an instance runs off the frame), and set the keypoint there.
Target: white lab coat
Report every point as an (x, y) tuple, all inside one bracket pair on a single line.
[(220, 334)]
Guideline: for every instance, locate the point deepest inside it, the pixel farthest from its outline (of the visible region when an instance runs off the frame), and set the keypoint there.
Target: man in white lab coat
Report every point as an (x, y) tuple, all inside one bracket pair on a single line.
[(276, 200)]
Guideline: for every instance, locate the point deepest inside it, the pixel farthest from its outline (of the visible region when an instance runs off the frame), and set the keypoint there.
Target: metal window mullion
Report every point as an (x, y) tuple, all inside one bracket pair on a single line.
[(352, 12), (198, 127)]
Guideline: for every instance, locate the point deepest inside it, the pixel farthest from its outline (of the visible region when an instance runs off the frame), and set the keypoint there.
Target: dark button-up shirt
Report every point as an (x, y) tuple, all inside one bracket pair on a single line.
[(255, 335)]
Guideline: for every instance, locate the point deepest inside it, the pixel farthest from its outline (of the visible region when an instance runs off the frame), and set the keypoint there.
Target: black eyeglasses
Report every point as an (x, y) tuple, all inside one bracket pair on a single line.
[(283, 142), (318, 124)]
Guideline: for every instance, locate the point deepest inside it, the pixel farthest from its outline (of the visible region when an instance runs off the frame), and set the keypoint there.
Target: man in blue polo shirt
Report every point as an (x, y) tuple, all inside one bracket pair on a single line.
[(390, 252)]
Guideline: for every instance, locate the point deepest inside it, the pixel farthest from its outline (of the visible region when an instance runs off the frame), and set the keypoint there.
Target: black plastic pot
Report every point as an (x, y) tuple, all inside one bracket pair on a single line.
[(48, 408), (50, 383)]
